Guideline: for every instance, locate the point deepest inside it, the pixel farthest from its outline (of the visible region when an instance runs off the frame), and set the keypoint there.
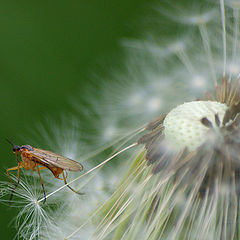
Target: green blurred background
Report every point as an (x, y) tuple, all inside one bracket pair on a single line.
[(48, 50)]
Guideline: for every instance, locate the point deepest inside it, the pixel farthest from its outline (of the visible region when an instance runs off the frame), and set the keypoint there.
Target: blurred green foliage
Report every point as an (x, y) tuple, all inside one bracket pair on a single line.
[(48, 50)]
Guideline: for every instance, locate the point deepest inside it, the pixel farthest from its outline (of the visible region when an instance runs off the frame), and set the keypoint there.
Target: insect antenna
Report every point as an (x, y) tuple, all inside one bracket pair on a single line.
[(15, 147), (10, 142)]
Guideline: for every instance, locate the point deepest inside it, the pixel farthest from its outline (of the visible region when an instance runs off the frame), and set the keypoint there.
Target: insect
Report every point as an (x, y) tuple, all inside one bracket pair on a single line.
[(36, 159)]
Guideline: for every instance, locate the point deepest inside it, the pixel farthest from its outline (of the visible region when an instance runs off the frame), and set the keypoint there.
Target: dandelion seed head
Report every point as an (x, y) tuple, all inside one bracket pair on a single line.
[(183, 127)]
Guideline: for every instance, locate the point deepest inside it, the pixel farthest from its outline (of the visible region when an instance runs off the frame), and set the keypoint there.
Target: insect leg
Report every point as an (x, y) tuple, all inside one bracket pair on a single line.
[(38, 169), (11, 169), (15, 168), (41, 168), (63, 178), (65, 181)]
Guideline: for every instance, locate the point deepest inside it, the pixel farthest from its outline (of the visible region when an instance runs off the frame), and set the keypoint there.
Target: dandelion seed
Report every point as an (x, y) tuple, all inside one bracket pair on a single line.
[(190, 167), (32, 218), (193, 151), (182, 182)]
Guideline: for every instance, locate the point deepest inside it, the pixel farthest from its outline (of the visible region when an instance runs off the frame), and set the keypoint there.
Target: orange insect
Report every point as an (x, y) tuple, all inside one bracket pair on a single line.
[(33, 157)]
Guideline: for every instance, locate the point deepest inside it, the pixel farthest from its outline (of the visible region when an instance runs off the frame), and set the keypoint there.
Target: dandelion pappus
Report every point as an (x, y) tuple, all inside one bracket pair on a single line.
[(33, 157)]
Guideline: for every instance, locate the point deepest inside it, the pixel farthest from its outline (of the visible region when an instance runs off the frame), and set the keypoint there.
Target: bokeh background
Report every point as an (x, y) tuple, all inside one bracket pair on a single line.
[(48, 51)]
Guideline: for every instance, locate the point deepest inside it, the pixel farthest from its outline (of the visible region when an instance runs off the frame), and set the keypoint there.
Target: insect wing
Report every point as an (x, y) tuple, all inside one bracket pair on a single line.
[(56, 160)]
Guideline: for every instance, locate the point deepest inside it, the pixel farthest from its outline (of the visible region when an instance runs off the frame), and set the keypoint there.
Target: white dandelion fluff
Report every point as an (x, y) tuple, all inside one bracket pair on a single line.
[(190, 188), (182, 180)]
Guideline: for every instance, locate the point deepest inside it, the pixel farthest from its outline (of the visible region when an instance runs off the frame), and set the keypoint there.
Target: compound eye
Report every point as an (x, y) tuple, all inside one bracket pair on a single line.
[(28, 147), (16, 148)]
